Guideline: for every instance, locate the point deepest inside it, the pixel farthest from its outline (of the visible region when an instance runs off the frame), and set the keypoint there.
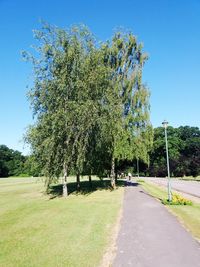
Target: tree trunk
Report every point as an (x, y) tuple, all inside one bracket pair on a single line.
[(65, 190), (116, 176), (78, 181), (90, 180), (112, 176)]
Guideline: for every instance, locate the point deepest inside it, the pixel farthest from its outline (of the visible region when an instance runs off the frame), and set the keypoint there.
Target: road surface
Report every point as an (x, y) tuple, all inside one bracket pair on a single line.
[(188, 187)]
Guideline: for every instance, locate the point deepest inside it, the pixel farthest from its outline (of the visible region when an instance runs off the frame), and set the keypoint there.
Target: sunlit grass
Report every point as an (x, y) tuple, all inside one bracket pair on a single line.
[(36, 231)]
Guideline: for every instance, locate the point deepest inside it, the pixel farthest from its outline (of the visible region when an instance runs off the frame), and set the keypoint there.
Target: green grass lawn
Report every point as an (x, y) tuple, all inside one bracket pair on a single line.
[(188, 215), (36, 231), (190, 178)]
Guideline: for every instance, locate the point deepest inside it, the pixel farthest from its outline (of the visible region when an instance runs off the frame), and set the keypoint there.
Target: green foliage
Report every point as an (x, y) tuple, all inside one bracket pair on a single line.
[(11, 162), (184, 152), (32, 167), (64, 99), (128, 118), (90, 105), (129, 169)]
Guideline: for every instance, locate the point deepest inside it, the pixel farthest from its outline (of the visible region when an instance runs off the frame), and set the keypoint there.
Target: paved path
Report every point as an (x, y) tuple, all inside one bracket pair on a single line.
[(188, 187), (152, 237)]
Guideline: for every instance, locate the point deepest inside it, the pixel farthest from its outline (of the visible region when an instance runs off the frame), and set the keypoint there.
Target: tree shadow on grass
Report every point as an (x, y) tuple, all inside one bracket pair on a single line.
[(85, 187)]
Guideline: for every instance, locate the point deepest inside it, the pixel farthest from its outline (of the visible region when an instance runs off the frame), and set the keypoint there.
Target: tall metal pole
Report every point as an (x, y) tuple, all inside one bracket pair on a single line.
[(168, 172), (138, 168)]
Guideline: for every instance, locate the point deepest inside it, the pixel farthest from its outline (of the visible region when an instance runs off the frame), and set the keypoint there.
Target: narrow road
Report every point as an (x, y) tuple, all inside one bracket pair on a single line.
[(152, 237), (188, 187)]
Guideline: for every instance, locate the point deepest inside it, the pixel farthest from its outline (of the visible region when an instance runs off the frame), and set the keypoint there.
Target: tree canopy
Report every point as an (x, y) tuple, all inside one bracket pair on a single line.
[(13, 163), (90, 105), (184, 152)]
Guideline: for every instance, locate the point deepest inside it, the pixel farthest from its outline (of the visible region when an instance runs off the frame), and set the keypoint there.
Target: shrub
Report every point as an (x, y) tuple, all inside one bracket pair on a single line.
[(23, 175), (177, 200)]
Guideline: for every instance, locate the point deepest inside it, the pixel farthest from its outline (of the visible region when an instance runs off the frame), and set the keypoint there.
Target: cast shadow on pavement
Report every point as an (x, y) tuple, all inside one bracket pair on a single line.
[(130, 183)]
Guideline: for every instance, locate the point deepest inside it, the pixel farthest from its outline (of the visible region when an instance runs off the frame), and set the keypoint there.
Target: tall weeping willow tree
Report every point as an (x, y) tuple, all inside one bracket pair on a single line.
[(88, 101), (127, 122), (58, 69), (69, 82)]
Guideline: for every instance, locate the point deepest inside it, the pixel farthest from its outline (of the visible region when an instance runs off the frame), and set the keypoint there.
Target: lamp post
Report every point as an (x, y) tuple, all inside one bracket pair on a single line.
[(138, 168), (165, 124)]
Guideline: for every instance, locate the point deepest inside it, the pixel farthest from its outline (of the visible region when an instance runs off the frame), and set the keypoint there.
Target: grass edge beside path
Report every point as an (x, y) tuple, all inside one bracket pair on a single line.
[(188, 216), (110, 251)]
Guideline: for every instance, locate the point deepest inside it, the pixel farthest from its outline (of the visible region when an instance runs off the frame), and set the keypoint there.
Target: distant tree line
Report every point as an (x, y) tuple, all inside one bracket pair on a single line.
[(184, 153), (13, 163)]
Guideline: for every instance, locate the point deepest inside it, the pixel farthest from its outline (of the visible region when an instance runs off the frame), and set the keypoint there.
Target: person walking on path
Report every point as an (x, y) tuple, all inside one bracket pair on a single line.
[(129, 176), (150, 236), (128, 179)]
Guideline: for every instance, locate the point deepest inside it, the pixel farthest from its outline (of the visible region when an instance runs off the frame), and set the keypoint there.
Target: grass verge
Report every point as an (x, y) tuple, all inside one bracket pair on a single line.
[(36, 231), (190, 178), (188, 215)]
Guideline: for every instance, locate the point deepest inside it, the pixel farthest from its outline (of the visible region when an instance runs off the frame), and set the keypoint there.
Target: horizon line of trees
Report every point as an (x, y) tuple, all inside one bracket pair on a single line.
[(184, 152), (184, 157), (14, 163)]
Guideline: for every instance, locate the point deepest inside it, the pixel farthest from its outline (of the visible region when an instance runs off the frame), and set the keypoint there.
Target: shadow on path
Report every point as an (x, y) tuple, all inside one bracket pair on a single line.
[(146, 193), (129, 183)]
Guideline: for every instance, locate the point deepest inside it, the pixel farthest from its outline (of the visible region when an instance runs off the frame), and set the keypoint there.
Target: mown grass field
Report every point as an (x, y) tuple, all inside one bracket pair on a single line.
[(188, 215), (190, 178), (37, 231)]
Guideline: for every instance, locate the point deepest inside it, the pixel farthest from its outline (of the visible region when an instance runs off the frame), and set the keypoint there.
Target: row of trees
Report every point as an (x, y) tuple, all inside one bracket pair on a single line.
[(184, 152), (13, 163), (90, 105)]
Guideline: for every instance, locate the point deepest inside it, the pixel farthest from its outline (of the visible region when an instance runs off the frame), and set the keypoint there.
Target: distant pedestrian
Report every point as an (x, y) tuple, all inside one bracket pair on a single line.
[(129, 176)]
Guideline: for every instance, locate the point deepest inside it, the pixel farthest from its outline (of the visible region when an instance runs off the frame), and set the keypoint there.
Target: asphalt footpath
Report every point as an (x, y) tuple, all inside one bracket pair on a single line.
[(150, 236)]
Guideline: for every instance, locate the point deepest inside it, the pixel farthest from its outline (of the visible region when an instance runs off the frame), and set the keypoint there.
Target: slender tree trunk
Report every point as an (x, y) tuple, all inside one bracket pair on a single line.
[(90, 180), (65, 190), (116, 176), (112, 176), (78, 181)]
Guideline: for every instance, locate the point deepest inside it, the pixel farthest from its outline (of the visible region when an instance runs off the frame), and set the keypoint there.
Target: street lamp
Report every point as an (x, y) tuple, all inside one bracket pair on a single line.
[(138, 172), (165, 124)]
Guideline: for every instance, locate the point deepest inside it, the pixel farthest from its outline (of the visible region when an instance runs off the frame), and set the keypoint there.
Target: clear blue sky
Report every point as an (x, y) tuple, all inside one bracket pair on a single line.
[(169, 29)]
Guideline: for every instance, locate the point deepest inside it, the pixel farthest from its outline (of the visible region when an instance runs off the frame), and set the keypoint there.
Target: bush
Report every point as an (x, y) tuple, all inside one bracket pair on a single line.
[(177, 200)]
